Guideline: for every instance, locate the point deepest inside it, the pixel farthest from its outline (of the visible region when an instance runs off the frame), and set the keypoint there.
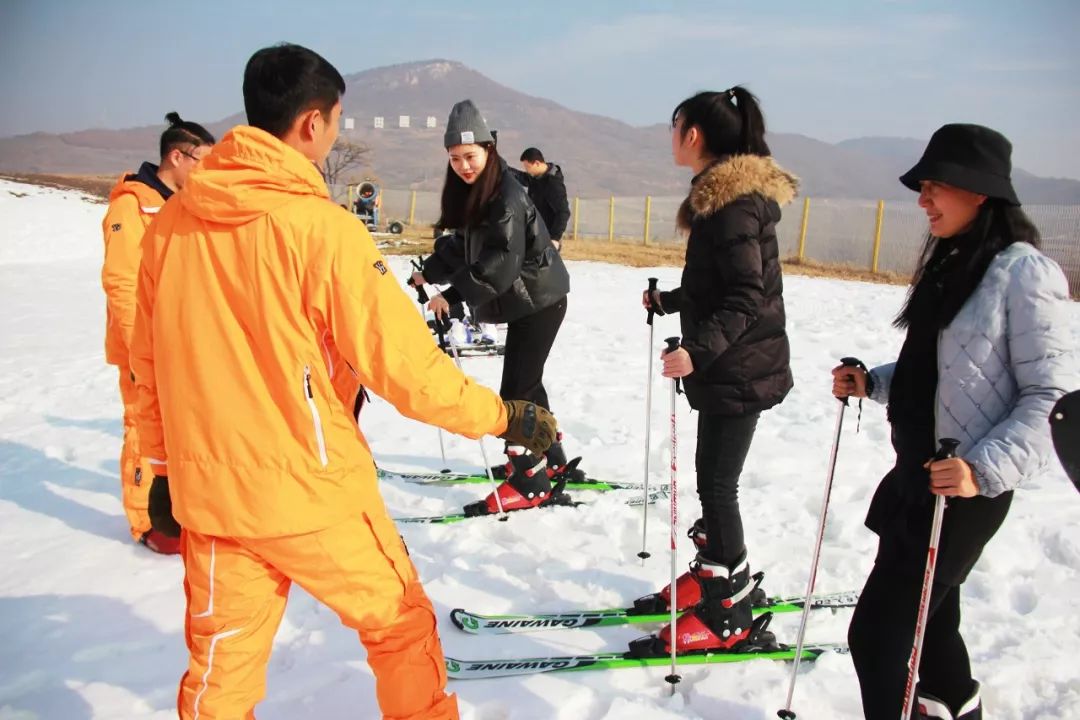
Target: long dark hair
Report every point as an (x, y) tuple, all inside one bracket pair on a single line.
[(731, 121), (958, 263), (183, 132), (463, 205)]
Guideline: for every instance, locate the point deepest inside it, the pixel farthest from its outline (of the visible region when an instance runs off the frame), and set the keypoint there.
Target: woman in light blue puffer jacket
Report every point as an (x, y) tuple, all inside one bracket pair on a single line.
[(987, 354)]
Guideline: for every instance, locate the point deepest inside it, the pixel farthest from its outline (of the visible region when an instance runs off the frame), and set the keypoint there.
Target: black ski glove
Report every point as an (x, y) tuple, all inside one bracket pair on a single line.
[(530, 425), (160, 508)]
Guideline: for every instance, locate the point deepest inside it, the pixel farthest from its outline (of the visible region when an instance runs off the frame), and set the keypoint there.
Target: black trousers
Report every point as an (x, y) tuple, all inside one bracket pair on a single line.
[(882, 632), (722, 445), (528, 343)]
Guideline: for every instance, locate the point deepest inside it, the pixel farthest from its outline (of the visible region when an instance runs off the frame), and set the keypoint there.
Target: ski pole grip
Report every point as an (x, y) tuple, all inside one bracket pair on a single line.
[(652, 289), (946, 448), (672, 346), (855, 363), (442, 328), (421, 293)]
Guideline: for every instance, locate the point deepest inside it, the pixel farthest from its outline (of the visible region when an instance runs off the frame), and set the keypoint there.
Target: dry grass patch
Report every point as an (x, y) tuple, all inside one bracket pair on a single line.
[(417, 240), (840, 271), (96, 185), (636, 254)]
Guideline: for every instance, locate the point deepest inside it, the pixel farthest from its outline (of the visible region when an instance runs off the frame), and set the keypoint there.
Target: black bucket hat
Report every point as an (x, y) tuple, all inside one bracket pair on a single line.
[(970, 157)]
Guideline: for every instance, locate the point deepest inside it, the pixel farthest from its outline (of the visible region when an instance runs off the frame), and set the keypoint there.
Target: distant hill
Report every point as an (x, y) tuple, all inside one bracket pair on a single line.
[(599, 155), (901, 153)]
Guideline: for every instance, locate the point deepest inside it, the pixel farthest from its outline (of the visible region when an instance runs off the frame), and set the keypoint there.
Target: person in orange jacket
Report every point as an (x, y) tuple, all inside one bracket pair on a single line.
[(259, 298), (133, 203)]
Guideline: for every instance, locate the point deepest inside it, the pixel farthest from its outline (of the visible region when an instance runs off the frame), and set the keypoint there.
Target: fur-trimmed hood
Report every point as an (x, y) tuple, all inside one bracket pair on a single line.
[(732, 178)]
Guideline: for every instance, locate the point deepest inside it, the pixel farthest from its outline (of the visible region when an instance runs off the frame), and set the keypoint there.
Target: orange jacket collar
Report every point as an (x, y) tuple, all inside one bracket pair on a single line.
[(247, 175), (147, 196)]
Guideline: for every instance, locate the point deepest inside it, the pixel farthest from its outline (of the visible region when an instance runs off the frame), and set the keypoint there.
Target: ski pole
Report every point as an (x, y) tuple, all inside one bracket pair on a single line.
[(422, 297), (503, 516), (947, 449), (674, 678), (442, 346), (786, 713), (648, 426)]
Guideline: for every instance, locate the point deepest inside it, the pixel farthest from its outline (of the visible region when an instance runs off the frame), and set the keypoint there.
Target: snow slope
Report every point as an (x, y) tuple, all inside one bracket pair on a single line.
[(91, 624)]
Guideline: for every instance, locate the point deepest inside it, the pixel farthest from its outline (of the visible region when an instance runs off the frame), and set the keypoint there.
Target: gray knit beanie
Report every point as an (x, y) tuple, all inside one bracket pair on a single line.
[(466, 126)]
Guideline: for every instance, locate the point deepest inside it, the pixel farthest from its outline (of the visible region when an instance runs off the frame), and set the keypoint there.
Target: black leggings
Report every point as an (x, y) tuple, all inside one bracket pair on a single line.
[(528, 343), (882, 632), (723, 442)]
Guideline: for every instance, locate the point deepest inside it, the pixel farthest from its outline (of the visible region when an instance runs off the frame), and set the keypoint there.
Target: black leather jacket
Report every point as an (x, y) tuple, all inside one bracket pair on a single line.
[(504, 267)]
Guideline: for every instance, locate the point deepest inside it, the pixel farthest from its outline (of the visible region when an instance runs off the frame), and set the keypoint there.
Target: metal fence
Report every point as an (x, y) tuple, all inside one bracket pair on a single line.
[(877, 236)]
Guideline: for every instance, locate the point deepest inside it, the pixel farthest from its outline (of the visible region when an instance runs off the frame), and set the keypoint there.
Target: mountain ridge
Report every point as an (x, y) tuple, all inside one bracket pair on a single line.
[(599, 155)]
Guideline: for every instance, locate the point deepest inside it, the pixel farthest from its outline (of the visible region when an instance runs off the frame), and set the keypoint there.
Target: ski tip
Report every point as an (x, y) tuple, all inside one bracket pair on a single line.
[(455, 617)]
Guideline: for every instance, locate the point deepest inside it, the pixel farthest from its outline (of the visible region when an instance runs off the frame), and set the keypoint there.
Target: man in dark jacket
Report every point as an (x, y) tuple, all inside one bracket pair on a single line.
[(547, 189)]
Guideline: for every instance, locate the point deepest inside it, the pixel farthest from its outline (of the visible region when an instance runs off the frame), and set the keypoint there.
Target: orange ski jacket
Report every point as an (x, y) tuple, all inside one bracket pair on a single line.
[(255, 292), (132, 206)]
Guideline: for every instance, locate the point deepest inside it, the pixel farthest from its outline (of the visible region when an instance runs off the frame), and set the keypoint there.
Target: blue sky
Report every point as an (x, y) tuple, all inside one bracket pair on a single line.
[(827, 69)]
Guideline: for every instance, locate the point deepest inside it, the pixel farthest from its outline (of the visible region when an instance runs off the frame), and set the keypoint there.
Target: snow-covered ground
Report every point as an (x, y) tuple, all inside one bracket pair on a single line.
[(91, 624)]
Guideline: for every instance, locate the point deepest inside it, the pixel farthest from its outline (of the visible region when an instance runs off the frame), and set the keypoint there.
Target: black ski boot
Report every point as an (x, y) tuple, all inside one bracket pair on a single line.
[(556, 464), (559, 470), (528, 485), (928, 707), (687, 587), (722, 622)]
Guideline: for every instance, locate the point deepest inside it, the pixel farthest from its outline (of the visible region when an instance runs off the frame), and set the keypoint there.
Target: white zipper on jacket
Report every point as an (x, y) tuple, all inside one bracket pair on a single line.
[(315, 419)]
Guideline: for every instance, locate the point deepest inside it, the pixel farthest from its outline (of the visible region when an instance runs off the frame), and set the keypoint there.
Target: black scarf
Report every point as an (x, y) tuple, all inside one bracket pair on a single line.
[(913, 391)]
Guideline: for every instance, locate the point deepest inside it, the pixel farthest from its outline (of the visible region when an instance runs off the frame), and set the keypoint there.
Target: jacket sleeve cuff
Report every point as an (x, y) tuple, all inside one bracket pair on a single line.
[(701, 358), (669, 301), (988, 486), (452, 295)]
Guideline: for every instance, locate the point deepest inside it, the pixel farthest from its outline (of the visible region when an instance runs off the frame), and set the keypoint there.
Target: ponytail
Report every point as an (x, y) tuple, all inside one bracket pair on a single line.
[(753, 122), (183, 132), (731, 121)]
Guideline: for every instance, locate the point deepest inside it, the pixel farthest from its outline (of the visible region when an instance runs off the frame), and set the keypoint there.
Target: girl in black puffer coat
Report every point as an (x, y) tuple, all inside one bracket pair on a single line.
[(734, 357), (501, 262)]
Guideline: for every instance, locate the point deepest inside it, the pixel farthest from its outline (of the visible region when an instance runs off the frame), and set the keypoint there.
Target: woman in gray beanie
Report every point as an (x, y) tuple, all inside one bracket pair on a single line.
[(500, 260), (985, 357)]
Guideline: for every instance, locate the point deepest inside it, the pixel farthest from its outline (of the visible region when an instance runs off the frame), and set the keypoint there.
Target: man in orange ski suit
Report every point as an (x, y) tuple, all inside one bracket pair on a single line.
[(262, 306), (133, 203)]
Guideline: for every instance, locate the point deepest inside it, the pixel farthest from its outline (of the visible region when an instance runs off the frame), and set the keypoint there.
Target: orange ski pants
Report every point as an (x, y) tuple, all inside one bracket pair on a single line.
[(135, 475), (236, 593)]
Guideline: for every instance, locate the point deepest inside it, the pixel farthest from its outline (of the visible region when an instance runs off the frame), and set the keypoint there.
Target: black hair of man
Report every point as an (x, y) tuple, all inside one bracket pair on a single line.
[(532, 155), (284, 81), (183, 132)]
